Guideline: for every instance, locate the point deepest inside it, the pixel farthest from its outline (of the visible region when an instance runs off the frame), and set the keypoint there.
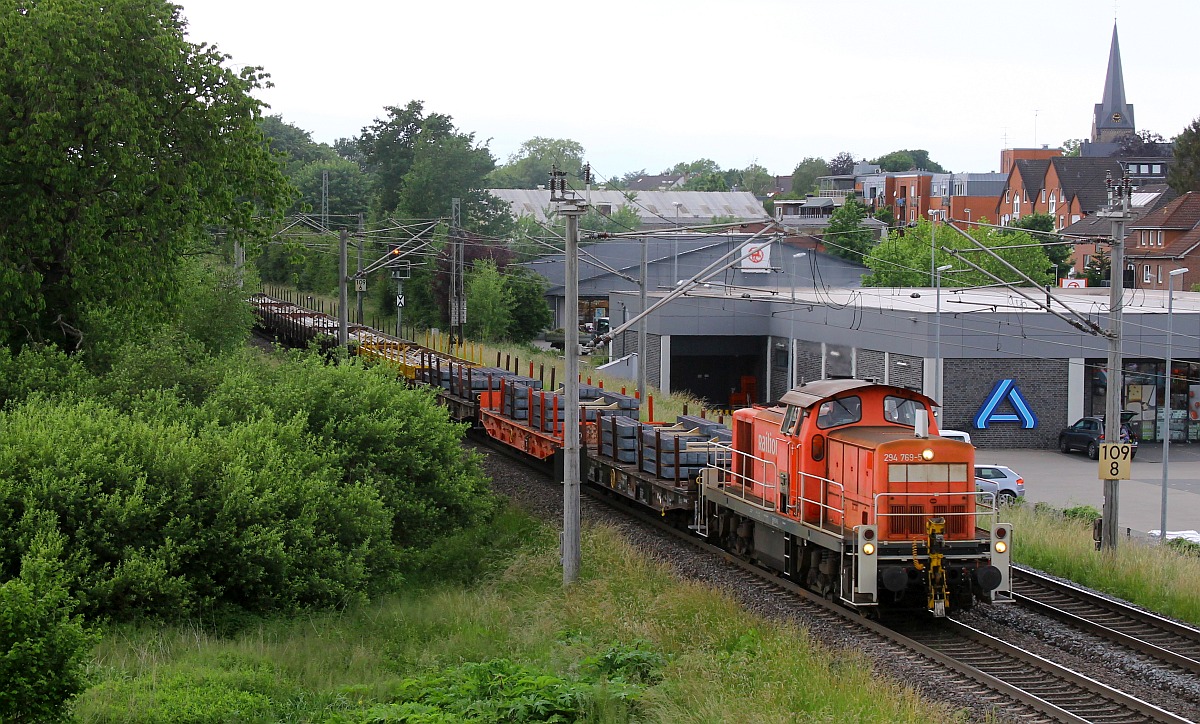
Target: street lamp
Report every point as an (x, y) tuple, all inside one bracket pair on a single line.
[(1162, 530), (932, 240), (792, 333), (937, 344), (675, 268)]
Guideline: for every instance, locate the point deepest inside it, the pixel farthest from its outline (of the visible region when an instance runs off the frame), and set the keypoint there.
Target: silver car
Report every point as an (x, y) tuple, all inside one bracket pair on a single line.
[(999, 480)]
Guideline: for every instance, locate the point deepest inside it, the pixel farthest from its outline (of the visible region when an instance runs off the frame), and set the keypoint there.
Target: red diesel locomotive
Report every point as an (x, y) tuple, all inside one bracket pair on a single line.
[(843, 488)]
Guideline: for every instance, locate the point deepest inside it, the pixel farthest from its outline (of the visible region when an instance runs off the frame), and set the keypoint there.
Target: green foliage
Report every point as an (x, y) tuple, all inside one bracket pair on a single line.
[(531, 314), (903, 259), (293, 145), (1057, 252), (701, 166), (908, 160), (1072, 146), (804, 176), (638, 664), (349, 191), (621, 219), (112, 170), (201, 484), (530, 166), (706, 181), (886, 215), (842, 164), (489, 303), (1184, 546), (1184, 173), (492, 691), (846, 236), (1097, 267), (420, 162), (43, 645), (754, 178)]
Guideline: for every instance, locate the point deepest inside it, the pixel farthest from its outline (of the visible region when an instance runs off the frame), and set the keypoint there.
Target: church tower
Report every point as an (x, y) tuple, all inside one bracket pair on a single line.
[(1113, 117)]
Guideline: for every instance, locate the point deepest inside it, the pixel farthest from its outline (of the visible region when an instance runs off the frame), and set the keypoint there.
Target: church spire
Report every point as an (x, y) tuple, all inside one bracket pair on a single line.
[(1113, 117)]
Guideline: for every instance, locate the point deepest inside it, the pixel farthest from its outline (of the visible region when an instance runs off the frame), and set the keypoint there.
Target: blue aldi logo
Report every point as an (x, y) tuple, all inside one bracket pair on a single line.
[(1005, 391)]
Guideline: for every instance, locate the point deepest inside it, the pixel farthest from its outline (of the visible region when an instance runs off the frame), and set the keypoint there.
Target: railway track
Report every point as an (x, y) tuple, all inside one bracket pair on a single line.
[(1159, 638), (991, 669)]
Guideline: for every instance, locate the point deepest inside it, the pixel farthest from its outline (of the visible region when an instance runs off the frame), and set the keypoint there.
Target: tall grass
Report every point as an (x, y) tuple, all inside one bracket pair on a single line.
[(1143, 572), (661, 650)]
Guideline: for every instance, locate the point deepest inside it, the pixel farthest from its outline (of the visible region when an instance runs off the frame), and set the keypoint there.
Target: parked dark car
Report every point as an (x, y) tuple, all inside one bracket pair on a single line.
[(1088, 432)]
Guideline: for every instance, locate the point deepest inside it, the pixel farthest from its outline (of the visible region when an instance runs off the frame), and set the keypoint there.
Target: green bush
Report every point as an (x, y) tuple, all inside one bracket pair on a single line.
[(43, 644), (237, 483)]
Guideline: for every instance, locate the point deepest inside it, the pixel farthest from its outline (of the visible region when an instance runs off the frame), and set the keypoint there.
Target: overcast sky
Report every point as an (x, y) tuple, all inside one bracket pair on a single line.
[(643, 85)]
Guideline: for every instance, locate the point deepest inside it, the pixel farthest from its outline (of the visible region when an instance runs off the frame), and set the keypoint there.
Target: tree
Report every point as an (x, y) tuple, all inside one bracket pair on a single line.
[(1184, 174), (1072, 146), (903, 259), (530, 166), (489, 303), (704, 165), (1041, 227), (1143, 143), (121, 145), (842, 164), (530, 312), (846, 236), (755, 179), (349, 191), (293, 144), (387, 148), (442, 169), (706, 181), (908, 160), (804, 176), (896, 161), (1096, 270)]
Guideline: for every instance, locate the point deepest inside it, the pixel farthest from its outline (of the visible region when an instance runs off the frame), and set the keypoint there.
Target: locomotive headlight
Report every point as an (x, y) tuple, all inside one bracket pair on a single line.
[(927, 454), (868, 549), (1001, 546)]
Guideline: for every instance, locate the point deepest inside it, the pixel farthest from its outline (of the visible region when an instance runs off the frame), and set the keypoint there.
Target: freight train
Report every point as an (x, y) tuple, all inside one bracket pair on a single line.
[(843, 486)]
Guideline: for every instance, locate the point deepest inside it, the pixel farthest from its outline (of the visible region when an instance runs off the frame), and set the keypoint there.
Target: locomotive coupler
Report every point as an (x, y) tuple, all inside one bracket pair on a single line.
[(939, 589)]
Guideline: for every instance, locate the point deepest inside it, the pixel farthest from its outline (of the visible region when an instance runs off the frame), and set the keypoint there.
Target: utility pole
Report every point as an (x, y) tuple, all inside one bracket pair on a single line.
[(458, 304), (325, 200), (360, 288), (343, 279), (571, 208), (643, 358), (239, 262), (1118, 213)]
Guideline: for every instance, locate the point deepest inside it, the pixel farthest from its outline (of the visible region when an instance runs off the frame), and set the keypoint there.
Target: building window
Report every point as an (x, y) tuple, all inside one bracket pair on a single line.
[(1053, 204), (1074, 218), (1160, 273), (1043, 196), (1017, 206), (1060, 221), (1007, 196), (1160, 238), (1087, 260), (1156, 168), (1146, 273)]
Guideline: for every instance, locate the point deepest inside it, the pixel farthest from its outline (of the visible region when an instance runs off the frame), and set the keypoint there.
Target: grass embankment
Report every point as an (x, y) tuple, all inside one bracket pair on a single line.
[(628, 642), (1142, 572)]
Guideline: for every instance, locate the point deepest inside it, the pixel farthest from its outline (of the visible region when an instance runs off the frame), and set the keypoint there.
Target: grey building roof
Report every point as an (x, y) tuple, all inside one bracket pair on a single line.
[(696, 252), (657, 209)]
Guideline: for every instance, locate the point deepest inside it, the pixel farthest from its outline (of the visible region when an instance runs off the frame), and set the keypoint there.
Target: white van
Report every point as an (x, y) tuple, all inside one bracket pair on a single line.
[(956, 435)]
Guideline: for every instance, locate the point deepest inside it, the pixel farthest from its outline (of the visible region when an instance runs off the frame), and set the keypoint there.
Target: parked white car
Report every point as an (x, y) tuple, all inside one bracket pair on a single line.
[(959, 435), (1000, 480)]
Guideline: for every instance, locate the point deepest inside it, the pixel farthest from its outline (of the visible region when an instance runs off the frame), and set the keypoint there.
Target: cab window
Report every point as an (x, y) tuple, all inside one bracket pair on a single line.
[(791, 420), (841, 411), (901, 410)]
